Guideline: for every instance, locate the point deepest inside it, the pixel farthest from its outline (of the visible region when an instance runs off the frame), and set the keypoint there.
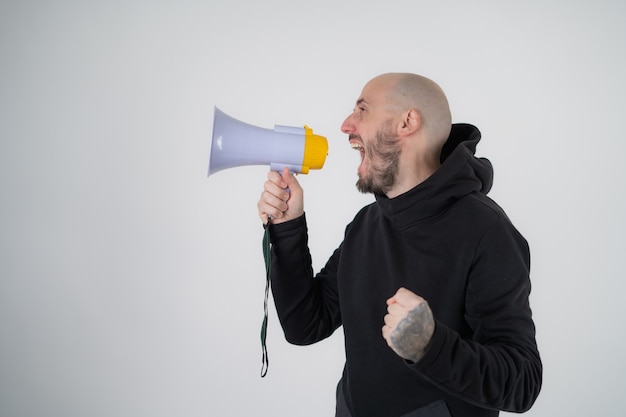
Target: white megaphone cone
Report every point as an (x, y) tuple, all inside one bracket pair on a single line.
[(235, 143)]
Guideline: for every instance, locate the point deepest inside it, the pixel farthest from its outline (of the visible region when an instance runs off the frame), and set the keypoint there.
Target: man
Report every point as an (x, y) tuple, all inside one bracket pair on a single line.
[(434, 262)]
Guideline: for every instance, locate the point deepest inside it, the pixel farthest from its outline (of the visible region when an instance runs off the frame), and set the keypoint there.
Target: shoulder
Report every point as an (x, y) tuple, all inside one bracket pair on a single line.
[(479, 208)]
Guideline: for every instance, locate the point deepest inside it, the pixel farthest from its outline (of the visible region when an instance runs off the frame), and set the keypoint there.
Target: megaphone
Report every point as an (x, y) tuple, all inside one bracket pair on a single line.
[(235, 143)]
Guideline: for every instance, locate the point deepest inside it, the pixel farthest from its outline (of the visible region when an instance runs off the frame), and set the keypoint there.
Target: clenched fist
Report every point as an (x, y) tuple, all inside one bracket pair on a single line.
[(409, 325)]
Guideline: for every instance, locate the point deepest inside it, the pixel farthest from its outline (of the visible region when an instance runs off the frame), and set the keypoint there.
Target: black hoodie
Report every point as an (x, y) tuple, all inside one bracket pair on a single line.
[(448, 242)]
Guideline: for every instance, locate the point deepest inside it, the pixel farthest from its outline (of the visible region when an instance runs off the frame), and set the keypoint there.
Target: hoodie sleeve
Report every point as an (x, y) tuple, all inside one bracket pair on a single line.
[(307, 305), (500, 366)]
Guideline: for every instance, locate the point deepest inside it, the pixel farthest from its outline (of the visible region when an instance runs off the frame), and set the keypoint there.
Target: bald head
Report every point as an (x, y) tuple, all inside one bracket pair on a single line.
[(411, 91)]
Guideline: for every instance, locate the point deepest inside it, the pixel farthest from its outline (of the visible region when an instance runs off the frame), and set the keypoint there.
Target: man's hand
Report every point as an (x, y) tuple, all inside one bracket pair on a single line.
[(409, 325), (282, 198)]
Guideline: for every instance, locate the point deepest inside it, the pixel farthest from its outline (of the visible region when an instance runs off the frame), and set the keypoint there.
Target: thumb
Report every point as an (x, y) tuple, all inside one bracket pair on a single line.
[(405, 298)]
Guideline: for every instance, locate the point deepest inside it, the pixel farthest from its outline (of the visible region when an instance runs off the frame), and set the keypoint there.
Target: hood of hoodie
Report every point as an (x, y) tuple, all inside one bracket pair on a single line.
[(460, 173)]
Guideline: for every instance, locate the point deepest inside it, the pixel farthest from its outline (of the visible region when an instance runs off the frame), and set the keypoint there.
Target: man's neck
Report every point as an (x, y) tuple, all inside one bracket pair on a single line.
[(408, 180)]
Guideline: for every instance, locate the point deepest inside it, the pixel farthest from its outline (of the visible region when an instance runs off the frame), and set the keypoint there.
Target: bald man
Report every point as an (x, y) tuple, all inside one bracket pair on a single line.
[(431, 282)]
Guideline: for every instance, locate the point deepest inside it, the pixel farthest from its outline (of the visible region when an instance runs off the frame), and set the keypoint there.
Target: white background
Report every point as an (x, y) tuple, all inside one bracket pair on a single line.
[(132, 285)]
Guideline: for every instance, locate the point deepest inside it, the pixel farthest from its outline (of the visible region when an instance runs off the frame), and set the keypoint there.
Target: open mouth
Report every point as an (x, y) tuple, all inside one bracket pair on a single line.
[(356, 144)]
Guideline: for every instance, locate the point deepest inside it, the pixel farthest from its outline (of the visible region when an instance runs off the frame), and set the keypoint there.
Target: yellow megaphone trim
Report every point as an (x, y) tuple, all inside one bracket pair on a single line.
[(315, 150)]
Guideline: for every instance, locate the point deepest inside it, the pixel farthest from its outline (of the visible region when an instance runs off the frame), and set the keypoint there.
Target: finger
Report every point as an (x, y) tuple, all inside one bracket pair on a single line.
[(407, 299), (386, 331), (389, 320), (397, 310), (394, 298), (264, 218), (271, 206), (266, 213), (276, 190), (276, 178), (275, 201)]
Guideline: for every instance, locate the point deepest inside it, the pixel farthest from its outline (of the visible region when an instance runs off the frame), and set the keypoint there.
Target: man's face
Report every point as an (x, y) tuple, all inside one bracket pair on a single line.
[(371, 132)]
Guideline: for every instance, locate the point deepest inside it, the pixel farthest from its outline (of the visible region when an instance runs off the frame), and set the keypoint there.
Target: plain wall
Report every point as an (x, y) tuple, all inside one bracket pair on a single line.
[(132, 285)]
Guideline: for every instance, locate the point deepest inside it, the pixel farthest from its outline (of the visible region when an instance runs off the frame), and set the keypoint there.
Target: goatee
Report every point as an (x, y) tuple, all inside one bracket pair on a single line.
[(383, 155)]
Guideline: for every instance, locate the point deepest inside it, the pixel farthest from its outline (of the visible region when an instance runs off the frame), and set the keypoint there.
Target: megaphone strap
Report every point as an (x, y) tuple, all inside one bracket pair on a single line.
[(267, 256)]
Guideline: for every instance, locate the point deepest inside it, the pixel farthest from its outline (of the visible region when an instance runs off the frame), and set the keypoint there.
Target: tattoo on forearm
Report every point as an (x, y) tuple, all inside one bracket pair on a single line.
[(413, 333)]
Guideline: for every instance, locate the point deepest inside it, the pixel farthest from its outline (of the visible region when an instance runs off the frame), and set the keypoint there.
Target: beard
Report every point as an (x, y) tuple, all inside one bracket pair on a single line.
[(383, 156)]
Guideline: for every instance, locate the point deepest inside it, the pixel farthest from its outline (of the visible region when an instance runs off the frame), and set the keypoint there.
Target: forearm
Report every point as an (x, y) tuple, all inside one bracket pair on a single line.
[(306, 305), (500, 376)]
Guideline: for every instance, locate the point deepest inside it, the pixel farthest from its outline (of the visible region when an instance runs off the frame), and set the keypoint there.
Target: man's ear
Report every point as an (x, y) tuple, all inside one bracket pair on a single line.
[(411, 122)]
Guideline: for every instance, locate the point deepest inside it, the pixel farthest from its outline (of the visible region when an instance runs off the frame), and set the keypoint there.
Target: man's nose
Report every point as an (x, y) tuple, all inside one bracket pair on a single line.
[(347, 126)]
